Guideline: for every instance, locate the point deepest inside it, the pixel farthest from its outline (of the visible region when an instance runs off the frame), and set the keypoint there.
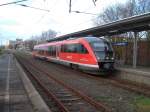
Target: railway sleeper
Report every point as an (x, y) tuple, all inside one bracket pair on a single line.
[(70, 99), (64, 95), (62, 92), (81, 109)]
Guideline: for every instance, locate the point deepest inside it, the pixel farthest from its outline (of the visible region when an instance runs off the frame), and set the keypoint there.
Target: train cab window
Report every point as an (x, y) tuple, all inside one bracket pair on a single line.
[(100, 46), (102, 49)]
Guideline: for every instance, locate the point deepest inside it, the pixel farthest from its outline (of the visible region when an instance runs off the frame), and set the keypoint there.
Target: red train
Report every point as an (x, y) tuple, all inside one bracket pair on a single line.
[(90, 54)]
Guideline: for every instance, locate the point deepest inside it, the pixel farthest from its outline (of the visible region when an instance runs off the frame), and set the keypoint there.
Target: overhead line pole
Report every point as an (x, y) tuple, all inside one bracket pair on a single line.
[(135, 49), (70, 6), (94, 2)]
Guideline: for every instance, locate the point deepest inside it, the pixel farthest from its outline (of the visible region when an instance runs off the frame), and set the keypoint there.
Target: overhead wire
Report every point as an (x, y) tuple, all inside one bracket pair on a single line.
[(54, 5), (33, 7), (15, 2), (45, 14), (85, 11)]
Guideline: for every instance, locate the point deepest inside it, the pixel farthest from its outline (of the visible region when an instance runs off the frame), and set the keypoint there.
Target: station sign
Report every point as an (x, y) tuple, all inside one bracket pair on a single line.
[(120, 43)]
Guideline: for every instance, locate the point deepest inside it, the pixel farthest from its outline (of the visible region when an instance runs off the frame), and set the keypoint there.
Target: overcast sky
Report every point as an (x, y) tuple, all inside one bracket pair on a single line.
[(22, 22)]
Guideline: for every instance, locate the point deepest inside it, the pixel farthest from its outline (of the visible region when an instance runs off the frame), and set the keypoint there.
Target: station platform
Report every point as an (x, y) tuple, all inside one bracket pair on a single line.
[(16, 92), (13, 97), (139, 69), (139, 74)]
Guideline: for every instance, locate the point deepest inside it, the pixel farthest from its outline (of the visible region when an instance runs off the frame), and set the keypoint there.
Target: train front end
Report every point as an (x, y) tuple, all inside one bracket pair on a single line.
[(104, 53)]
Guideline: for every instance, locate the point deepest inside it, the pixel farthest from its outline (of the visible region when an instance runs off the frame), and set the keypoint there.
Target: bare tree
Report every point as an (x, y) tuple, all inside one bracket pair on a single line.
[(120, 11), (44, 36), (47, 35)]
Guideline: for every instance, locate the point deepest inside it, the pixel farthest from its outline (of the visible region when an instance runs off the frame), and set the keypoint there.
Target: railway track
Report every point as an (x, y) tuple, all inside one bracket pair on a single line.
[(65, 97), (125, 84)]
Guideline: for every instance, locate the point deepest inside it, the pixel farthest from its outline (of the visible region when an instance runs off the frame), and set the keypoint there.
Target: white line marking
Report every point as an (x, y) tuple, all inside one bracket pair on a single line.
[(7, 87)]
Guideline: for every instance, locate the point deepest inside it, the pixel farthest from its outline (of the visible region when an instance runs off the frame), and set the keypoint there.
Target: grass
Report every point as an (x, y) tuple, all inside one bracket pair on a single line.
[(143, 104)]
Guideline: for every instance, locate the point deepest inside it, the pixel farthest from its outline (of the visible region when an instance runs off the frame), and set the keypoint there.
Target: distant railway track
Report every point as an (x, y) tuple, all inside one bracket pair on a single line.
[(67, 98), (128, 85)]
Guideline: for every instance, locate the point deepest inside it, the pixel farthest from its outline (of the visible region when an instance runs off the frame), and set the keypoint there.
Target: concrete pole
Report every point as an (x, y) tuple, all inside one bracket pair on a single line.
[(70, 6), (135, 49)]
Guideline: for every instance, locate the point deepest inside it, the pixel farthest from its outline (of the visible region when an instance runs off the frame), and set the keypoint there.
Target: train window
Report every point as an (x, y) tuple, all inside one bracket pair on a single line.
[(63, 48), (52, 50), (98, 46), (40, 52), (49, 50), (70, 48), (82, 49), (74, 48), (101, 46)]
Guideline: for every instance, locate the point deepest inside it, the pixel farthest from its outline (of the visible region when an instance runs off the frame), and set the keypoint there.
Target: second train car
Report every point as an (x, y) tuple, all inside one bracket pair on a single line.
[(91, 54)]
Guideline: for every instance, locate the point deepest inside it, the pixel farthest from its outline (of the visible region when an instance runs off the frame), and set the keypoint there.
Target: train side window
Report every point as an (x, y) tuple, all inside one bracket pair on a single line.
[(74, 48), (52, 50), (65, 48), (62, 48), (42, 52), (71, 48), (82, 49), (49, 50), (39, 52)]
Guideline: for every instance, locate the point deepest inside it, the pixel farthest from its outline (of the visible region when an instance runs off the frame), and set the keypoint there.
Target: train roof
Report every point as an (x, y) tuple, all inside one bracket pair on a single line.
[(70, 40)]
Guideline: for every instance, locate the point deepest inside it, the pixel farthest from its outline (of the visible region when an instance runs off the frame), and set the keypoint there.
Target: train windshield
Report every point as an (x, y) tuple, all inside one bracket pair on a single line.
[(102, 49)]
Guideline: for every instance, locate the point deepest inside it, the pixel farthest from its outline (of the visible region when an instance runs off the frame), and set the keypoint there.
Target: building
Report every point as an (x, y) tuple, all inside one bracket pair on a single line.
[(15, 44)]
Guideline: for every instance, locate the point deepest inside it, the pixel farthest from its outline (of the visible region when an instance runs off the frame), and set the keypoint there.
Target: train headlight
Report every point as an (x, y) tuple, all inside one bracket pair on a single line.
[(112, 58), (107, 58), (98, 58)]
